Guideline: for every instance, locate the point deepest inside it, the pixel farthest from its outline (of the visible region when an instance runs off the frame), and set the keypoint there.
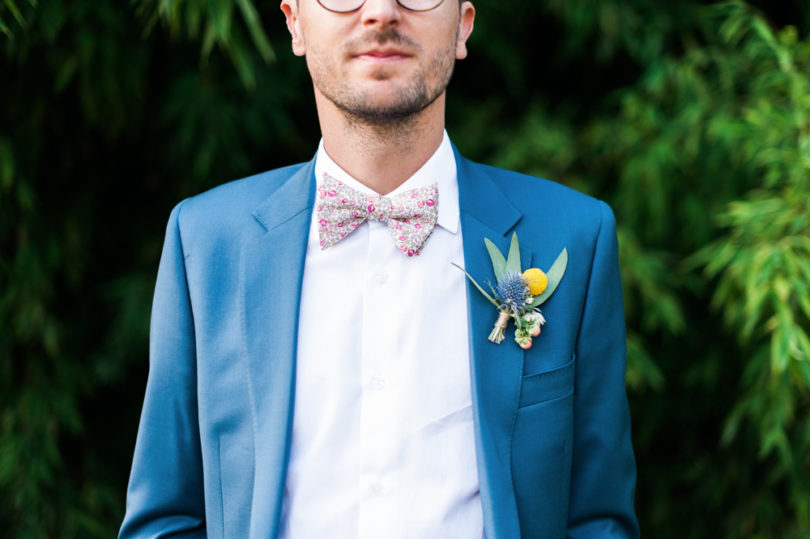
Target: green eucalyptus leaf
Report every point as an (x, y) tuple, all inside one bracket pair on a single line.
[(513, 258), (498, 261), (555, 275), (470, 277)]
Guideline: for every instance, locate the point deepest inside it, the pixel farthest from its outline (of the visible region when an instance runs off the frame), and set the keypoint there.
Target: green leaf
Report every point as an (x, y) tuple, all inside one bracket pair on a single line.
[(208, 41), (804, 343), (470, 277), (241, 61), (221, 17), (65, 73), (251, 17), (555, 275), (498, 261), (5, 30), (15, 12), (513, 259)]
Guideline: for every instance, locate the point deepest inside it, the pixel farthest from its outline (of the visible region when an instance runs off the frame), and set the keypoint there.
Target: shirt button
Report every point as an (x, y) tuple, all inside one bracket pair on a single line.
[(376, 489), (381, 277), (377, 382)]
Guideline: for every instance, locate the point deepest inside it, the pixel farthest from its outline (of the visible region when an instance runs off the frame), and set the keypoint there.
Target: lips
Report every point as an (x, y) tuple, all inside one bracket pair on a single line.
[(383, 54)]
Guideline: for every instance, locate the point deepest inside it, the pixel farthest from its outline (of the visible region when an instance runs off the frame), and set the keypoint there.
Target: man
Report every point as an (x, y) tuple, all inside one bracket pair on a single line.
[(311, 381)]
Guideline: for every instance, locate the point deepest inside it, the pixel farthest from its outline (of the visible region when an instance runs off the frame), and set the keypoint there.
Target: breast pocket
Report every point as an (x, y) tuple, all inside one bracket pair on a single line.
[(547, 386)]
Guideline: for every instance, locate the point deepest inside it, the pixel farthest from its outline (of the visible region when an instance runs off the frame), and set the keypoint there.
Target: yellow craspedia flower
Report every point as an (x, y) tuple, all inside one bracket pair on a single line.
[(536, 280)]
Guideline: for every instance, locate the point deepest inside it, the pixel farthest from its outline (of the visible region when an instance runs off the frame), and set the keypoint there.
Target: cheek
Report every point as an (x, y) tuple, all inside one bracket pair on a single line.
[(317, 61), (324, 68), (443, 61)]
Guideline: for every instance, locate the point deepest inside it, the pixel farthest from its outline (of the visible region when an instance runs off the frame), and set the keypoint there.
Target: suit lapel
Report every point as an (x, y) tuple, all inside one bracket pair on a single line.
[(271, 273), (496, 370)]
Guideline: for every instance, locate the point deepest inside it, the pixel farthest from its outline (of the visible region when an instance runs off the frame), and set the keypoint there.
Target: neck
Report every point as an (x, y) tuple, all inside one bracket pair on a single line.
[(381, 157)]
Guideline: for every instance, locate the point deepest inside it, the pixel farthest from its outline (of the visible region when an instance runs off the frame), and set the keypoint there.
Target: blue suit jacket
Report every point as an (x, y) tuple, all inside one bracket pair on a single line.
[(551, 424)]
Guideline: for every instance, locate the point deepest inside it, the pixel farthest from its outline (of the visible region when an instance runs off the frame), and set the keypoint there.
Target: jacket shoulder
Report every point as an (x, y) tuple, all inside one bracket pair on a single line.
[(238, 195), (547, 200), (225, 213)]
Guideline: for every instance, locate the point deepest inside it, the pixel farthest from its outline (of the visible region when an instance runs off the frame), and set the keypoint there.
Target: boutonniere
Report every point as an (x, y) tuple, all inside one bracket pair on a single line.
[(519, 294)]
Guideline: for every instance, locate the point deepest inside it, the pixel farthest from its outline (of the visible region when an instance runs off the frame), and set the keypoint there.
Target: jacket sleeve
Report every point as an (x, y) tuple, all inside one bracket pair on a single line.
[(603, 468), (165, 493)]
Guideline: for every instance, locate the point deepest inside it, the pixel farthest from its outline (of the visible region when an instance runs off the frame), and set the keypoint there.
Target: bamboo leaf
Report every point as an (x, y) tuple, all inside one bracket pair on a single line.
[(5, 30), (15, 12), (221, 17), (208, 40), (251, 17), (241, 60), (804, 344)]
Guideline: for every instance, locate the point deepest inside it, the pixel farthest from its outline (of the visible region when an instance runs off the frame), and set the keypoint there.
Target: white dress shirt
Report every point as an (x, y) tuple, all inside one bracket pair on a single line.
[(383, 443)]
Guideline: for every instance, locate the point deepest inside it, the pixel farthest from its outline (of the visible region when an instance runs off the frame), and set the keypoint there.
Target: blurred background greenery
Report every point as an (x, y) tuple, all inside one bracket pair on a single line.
[(692, 119)]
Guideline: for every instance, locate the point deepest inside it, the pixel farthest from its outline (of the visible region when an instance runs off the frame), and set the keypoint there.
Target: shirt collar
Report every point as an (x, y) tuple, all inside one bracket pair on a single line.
[(439, 169)]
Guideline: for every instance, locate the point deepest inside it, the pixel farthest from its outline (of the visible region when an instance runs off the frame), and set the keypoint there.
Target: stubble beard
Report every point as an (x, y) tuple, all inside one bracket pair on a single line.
[(362, 109)]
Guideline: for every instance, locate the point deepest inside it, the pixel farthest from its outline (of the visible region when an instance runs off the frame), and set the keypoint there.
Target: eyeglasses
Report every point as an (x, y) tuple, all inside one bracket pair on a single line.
[(346, 6)]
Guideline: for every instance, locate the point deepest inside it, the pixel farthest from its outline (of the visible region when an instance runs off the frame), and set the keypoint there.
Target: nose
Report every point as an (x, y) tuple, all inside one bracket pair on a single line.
[(380, 12)]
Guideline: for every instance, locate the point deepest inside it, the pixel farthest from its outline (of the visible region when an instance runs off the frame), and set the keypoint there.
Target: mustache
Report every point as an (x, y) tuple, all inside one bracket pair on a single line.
[(381, 37)]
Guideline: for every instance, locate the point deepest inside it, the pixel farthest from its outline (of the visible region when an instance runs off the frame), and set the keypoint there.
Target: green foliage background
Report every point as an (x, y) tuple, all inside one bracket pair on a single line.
[(691, 118)]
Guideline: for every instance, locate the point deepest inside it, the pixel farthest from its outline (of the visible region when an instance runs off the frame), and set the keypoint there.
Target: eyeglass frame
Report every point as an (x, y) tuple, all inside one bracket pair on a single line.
[(399, 2)]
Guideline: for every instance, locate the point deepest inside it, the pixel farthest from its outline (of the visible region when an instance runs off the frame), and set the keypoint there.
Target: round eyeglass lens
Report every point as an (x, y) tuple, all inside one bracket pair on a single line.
[(346, 6)]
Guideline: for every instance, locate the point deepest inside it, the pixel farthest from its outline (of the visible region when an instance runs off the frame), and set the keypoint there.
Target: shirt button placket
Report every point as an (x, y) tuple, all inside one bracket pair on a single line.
[(375, 414)]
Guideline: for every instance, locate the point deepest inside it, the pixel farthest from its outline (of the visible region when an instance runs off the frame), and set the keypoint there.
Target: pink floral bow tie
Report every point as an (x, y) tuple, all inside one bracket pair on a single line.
[(410, 215)]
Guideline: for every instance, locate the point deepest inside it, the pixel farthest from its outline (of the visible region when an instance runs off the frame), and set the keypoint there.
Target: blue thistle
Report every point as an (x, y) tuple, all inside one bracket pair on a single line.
[(512, 292)]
